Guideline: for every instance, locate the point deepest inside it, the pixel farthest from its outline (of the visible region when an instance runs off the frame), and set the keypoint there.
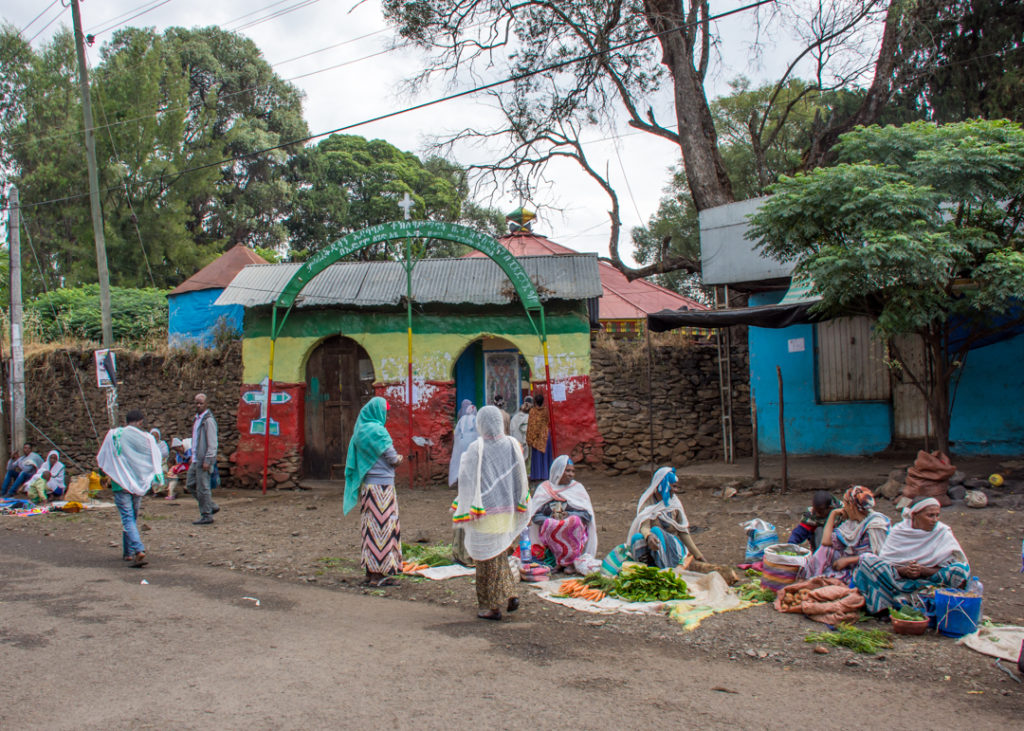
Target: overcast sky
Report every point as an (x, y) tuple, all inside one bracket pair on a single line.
[(573, 209)]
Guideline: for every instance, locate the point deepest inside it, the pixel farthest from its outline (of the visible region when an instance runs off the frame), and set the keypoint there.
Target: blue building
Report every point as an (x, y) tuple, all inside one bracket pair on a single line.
[(192, 316), (839, 394)]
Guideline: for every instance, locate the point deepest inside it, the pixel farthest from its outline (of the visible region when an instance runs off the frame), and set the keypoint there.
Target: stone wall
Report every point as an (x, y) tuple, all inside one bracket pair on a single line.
[(161, 385), (687, 406)]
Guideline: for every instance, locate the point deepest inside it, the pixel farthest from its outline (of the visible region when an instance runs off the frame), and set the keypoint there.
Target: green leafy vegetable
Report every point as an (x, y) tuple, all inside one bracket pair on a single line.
[(906, 613), (866, 641), (598, 580), (754, 592), (649, 584), (436, 555)]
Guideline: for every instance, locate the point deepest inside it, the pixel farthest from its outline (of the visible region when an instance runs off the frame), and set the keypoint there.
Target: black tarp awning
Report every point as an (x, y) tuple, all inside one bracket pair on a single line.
[(774, 316)]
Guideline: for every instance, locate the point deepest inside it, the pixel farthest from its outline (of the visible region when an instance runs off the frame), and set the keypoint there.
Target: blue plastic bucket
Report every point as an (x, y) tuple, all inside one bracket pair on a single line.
[(957, 613)]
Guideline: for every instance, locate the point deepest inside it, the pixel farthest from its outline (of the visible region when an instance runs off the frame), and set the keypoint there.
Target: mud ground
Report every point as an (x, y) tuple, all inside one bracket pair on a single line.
[(303, 537)]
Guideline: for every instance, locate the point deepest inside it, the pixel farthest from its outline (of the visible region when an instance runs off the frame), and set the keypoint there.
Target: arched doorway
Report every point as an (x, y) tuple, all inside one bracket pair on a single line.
[(339, 381), (490, 366)]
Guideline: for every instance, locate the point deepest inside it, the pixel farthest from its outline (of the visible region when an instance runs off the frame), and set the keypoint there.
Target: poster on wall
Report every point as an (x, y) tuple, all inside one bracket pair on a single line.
[(106, 368), (501, 376)]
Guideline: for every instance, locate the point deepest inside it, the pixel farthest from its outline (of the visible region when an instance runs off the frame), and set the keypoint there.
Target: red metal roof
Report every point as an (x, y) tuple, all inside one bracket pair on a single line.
[(622, 299), (219, 272)]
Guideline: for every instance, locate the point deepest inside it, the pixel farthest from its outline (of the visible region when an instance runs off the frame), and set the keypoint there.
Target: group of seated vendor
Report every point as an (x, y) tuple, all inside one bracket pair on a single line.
[(888, 564), (39, 479)]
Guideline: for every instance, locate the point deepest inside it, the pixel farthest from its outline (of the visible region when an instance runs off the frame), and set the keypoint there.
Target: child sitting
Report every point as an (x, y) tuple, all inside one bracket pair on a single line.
[(813, 520)]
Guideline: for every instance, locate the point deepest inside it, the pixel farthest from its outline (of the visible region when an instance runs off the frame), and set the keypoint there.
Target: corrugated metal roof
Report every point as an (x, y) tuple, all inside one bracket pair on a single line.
[(447, 281)]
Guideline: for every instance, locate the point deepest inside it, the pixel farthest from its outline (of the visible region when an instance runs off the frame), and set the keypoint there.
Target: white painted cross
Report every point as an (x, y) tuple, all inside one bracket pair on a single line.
[(406, 205), (257, 426)]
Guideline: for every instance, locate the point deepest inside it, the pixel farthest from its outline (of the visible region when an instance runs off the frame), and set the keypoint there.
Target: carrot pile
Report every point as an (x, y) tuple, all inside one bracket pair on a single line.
[(411, 567), (576, 588)]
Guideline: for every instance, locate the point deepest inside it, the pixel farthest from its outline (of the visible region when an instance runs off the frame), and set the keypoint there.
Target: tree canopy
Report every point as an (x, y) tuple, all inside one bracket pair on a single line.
[(919, 227)]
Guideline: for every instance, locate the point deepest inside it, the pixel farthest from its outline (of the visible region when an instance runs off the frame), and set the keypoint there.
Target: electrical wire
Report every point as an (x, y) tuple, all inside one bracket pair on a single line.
[(432, 102), (109, 28), (52, 21), (41, 13), (275, 15)]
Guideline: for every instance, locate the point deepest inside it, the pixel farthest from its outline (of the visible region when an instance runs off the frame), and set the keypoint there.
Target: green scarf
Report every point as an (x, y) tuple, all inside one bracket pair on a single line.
[(369, 441)]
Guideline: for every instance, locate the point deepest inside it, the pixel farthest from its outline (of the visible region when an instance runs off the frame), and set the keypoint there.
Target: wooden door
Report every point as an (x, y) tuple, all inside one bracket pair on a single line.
[(911, 420), (339, 381)]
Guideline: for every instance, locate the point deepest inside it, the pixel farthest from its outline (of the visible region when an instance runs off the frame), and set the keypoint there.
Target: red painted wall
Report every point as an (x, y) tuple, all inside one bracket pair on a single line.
[(575, 420), (285, 460), (433, 418)]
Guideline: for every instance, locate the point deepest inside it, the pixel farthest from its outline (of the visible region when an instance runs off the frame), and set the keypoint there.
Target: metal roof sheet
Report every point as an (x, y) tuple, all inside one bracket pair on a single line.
[(446, 281)]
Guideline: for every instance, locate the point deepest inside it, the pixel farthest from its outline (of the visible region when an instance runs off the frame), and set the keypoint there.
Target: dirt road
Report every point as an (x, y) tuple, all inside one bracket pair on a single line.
[(85, 645)]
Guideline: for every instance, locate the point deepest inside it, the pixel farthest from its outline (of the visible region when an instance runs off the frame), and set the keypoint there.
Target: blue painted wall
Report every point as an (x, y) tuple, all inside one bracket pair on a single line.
[(988, 417), (811, 427), (192, 317)]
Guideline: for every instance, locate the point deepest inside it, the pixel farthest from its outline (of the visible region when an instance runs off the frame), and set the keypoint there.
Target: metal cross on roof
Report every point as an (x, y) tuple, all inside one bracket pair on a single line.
[(406, 205)]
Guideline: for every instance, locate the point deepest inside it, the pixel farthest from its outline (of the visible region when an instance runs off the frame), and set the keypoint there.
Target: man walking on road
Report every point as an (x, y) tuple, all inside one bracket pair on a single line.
[(130, 457), (204, 458)]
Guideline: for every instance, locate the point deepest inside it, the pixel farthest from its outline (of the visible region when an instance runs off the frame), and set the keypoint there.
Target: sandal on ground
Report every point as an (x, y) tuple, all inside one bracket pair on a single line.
[(139, 560), (492, 614), (513, 604)]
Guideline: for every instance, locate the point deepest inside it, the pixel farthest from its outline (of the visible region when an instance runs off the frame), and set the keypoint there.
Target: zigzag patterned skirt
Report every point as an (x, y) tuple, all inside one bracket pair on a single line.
[(382, 544)]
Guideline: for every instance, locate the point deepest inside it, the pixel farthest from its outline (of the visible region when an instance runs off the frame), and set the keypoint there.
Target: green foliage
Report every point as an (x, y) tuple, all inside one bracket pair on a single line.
[(75, 312), (439, 554), (865, 641)]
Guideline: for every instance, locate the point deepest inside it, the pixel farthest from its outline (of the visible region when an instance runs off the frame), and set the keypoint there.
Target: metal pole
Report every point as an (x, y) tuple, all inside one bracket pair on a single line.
[(650, 397), (782, 434), (270, 390), (17, 351), (94, 182), (408, 314)]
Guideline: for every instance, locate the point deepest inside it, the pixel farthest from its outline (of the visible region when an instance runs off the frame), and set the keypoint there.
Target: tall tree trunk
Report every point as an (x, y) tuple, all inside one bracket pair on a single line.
[(705, 171), (938, 373)]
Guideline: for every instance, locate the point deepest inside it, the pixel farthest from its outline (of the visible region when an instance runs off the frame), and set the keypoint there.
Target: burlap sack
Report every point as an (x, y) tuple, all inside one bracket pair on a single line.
[(833, 605), (929, 477), (817, 583), (78, 490)]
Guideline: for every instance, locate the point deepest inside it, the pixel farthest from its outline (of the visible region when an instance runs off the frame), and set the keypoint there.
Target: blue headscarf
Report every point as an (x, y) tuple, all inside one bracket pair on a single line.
[(665, 486)]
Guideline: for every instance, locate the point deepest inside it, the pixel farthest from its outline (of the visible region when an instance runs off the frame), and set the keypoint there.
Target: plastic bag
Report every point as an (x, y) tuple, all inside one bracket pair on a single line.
[(760, 535)]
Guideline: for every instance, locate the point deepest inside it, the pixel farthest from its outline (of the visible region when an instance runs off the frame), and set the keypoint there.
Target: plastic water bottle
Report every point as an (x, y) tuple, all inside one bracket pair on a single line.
[(975, 586), (524, 546)]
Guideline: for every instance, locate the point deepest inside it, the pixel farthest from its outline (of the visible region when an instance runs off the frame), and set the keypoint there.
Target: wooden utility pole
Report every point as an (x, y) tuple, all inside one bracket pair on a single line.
[(94, 182), (17, 351)]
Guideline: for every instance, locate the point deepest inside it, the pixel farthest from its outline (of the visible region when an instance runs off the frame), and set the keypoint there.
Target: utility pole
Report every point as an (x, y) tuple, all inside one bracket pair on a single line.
[(17, 351), (94, 182)]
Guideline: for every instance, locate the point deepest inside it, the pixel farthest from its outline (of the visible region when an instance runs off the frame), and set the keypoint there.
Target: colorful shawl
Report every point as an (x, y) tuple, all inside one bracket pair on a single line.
[(537, 428)]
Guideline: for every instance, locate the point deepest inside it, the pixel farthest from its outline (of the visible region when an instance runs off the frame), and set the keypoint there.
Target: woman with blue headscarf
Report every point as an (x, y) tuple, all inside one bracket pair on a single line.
[(660, 533)]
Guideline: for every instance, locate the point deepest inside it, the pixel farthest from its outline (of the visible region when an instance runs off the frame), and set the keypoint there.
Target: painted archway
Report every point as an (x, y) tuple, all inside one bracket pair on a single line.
[(525, 289)]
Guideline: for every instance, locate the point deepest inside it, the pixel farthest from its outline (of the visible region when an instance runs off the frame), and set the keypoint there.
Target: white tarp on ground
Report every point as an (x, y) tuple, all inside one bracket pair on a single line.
[(1003, 642)]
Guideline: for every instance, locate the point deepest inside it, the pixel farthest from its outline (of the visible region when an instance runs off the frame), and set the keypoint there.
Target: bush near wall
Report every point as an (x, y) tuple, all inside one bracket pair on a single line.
[(74, 313)]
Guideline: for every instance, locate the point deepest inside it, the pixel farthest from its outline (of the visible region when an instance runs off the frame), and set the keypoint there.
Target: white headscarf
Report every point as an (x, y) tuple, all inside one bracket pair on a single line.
[(165, 452), (493, 488), (465, 434), (651, 506), (573, 494), (56, 471), (935, 547), (131, 458)]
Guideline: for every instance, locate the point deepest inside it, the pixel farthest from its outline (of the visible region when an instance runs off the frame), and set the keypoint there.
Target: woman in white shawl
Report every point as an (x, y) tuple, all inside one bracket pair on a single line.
[(562, 518), (660, 532), (48, 479), (851, 530), (920, 552), (465, 434), (491, 507)]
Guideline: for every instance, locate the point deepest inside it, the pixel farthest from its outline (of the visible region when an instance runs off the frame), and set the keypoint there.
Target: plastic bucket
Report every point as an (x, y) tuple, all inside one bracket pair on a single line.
[(957, 612)]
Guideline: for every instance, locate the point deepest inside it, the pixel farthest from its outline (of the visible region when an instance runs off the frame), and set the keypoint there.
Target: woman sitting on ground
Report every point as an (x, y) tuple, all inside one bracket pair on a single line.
[(851, 530), (48, 481), (660, 532), (491, 507), (562, 518), (920, 553)]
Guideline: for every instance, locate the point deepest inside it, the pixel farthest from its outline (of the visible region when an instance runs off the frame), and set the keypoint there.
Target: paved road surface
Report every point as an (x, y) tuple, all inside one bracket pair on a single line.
[(85, 645)]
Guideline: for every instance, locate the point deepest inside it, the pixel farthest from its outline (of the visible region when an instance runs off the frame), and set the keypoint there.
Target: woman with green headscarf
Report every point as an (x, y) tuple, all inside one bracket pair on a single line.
[(370, 468)]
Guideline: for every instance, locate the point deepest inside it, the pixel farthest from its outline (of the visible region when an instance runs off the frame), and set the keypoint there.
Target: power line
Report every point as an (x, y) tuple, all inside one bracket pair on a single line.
[(278, 14), (52, 21), (253, 12), (152, 7), (41, 12), (334, 45), (433, 102)]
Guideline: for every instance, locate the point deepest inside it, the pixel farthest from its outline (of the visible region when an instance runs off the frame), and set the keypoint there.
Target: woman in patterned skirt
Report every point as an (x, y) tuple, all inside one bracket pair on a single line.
[(370, 479), (493, 492)]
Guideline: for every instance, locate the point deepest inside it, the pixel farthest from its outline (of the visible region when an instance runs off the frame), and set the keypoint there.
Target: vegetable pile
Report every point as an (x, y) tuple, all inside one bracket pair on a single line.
[(866, 641), (906, 613), (638, 583), (752, 591), (791, 600), (576, 588), (424, 556)]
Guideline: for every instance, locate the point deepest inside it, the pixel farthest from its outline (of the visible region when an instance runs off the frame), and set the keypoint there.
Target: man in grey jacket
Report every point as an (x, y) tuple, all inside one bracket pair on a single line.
[(204, 459)]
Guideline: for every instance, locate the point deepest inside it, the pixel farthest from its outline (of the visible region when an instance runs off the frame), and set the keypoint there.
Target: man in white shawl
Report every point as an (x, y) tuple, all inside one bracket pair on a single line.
[(464, 435), (491, 507), (920, 552), (130, 457), (562, 518), (660, 532)]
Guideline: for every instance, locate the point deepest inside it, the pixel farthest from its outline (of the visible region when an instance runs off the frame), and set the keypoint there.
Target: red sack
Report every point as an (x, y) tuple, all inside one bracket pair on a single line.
[(784, 600), (929, 477)]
